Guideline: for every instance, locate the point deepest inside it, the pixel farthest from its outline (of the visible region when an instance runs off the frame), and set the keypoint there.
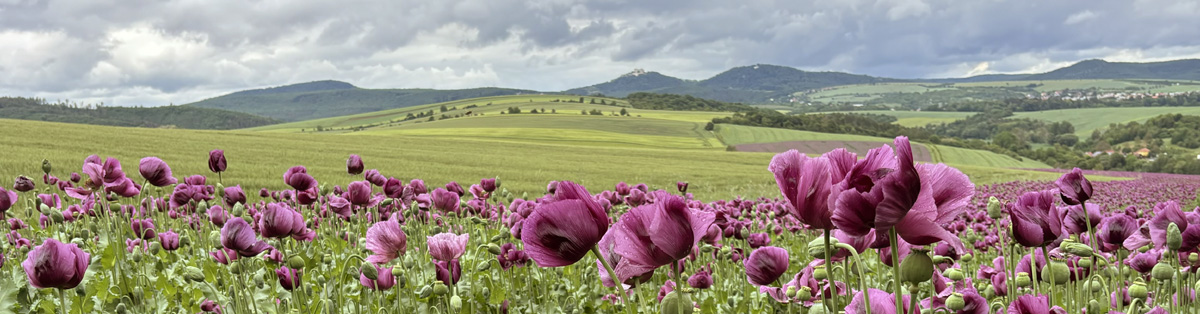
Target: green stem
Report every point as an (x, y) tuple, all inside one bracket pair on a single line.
[(832, 278), (894, 240), (62, 299), (1049, 274), (862, 281), (612, 274)]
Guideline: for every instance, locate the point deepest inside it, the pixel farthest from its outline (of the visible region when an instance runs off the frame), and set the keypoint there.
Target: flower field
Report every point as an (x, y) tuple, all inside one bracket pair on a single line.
[(877, 233)]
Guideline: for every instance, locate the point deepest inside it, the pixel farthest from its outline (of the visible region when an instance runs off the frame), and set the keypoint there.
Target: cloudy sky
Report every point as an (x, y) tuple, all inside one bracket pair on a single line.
[(150, 53)]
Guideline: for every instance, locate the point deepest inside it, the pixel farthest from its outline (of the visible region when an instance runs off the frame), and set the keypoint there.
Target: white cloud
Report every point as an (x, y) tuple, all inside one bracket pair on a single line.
[(1086, 15)]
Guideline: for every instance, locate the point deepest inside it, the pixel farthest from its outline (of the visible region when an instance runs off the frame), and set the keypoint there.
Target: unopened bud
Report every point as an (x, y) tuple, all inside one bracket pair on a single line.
[(425, 292), (1174, 238), (155, 248), (994, 208), (1193, 257), (369, 271), (954, 274), (483, 266), (456, 303), (1077, 249), (193, 274), (493, 248), (966, 257), (57, 217), (397, 271), (296, 262)]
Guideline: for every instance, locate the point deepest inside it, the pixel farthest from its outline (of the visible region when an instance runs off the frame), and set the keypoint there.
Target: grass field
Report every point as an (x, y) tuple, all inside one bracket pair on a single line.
[(917, 118), (1088, 119), (737, 134), (988, 90)]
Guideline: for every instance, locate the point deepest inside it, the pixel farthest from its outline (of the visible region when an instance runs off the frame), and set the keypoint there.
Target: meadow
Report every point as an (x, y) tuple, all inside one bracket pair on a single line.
[(849, 94), (1085, 120)]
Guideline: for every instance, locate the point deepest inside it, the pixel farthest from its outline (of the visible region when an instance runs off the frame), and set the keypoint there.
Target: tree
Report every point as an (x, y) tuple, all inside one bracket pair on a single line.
[(624, 112), (443, 108), (707, 127)]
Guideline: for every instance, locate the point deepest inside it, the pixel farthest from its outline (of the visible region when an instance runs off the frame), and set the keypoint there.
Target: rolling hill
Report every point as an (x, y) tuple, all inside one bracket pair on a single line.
[(1187, 69), (186, 117), (760, 83), (332, 98)]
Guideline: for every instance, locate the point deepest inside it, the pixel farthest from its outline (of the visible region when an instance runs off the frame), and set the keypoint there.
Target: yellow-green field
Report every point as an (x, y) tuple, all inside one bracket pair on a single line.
[(916, 118), (1085, 120), (867, 92)]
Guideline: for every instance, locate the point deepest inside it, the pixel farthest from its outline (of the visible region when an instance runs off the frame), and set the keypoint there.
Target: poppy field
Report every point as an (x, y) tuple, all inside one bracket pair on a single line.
[(133, 236)]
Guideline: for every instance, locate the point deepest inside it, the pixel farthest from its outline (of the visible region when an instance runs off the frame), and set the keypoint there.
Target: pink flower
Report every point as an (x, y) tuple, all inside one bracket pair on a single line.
[(56, 265), (447, 246), (387, 241)]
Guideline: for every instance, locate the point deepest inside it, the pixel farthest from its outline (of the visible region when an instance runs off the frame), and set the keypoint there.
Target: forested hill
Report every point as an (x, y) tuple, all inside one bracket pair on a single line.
[(186, 117)]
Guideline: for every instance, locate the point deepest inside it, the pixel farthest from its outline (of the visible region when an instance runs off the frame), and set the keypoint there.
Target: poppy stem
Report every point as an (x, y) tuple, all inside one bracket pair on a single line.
[(1049, 274), (894, 240), (832, 277), (611, 273), (62, 299)]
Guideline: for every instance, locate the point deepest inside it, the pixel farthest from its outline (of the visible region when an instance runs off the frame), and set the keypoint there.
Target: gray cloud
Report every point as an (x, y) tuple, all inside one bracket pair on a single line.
[(142, 52)]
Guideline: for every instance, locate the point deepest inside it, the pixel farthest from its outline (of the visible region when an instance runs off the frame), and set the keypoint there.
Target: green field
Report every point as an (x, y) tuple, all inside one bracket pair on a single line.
[(916, 118), (565, 129), (737, 134), (863, 93), (1088, 119)]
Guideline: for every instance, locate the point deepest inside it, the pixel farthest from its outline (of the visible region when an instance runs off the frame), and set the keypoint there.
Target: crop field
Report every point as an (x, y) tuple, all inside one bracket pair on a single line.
[(916, 118), (1087, 120), (989, 90)]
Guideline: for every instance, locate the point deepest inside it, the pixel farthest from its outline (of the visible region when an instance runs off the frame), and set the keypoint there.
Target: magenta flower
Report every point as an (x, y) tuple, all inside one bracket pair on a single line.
[(1035, 219), (156, 172), (143, 228), (279, 220), (447, 246), (653, 235), (382, 282), (456, 188), (561, 231), (681, 186), (289, 278), (374, 177), (354, 164), (444, 200), (489, 185), (7, 199), (1074, 188), (806, 183), (233, 196), (358, 193), (511, 257), (56, 265), (386, 240), (448, 272), (1113, 230), (756, 240), (169, 240), (209, 306), (216, 160), (765, 265), (418, 186), (237, 235), (1028, 304), (297, 177), (393, 188), (702, 279), (1168, 213), (23, 184), (881, 302)]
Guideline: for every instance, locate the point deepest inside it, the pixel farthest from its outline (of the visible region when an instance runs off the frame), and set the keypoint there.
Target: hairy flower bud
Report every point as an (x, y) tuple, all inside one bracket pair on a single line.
[(46, 166), (483, 266), (193, 274), (493, 248), (1174, 238), (1077, 249), (995, 208), (368, 270)]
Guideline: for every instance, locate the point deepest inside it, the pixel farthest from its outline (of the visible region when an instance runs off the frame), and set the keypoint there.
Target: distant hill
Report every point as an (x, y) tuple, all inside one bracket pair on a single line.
[(168, 116), (1187, 69), (323, 99), (750, 84)]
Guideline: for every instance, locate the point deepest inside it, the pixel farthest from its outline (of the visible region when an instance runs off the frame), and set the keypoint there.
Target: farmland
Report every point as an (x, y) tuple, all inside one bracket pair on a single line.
[(1085, 120), (925, 93)]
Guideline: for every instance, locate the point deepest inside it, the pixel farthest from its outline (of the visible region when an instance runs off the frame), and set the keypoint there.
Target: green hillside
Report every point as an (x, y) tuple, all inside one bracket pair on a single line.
[(330, 98), (913, 95), (756, 84), (150, 117), (1087, 120)]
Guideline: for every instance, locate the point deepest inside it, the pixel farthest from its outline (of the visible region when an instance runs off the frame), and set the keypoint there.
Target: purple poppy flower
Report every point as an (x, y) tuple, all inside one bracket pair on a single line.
[(448, 271), (393, 188), (561, 231), (75, 177), (1028, 304), (875, 197), (358, 193), (23, 184), (489, 185), (374, 177), (418, 186), (1076, 220), (7, 199), (510, 257), (381, 282), (881, 303), (807, 184), (297, 177), (681, 186), (56, 265), (169, 240), (143, 228), (702, 279), (766, 264), (386, 240), (1035, 219), (456, 188), (1114, 230), (156, 172), (656, 234), (216, 160), (444, 200), (622, 188), (756, 240), (238, 236), (234, 195), (1168, 213), (447, 246), (354, 164), (279, 220), (289, 278), (209, 306), (1074, 188)]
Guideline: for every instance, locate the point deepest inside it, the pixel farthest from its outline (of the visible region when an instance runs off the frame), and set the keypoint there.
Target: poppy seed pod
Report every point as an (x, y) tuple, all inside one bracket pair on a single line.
[(1163, 272), (1138, 290), (46, 166), (916, 268), (955, 302), (1056, 272), (1023, 279), (953, 274)]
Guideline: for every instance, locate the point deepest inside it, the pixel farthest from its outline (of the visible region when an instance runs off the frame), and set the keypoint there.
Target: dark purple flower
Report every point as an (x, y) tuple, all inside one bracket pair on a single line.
[(1035, 219), (444, 200), (279, 220), (702, 279), (358, 193), (289, 278), (510, 256), (393, 188), (237, 235), (209, 306), (418, 186), (622, 188), (656, 234), (456, 188), (354, 164), (1074, 188), (56, 265), (756, 240), (7, 199), (23, 184), (156, 172), (765, 265), (169, 240), (375, 177), (806, 183), (881, 303), (234, 195), (216, 160), (1076, 220), (297, 177), (1113, 230), (681, 186), (448, 271), (1028, 304), (383, 281), (560, 232), (143, 228), (489, 185)]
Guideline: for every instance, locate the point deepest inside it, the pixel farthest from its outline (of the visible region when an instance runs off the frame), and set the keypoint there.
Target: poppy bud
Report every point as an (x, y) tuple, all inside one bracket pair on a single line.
[(120, 306), (989, 292), (1023, 279), (155, 248), (57, 217), (1193, 257), (1095, 285), (493, 248), (1059, 270), (677, 303), (456, 303), (995, 208), (1077, 249), (956, 302), (369, 271), (1097, 307), (816, 309), (296, 262), (938, 259), (916, 268), (193, 274), (397, 272), (1174, 238), (816, 247), (440, 288), (1085, 262), (1163, 271), (483, 266), (46, 166), (954, 274), (1138, 291)]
